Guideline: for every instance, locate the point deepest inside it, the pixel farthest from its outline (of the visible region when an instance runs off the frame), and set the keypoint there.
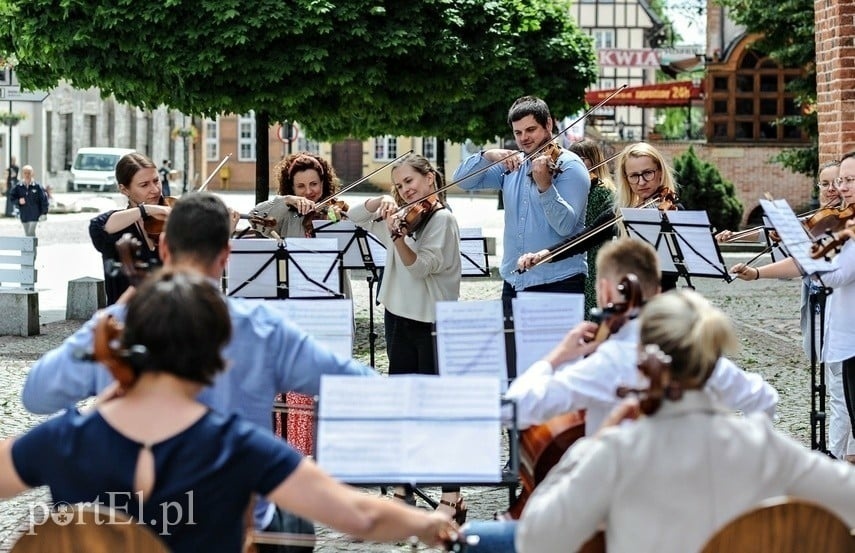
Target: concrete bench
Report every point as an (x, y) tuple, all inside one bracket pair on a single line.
[(85, 296), (19, 301)]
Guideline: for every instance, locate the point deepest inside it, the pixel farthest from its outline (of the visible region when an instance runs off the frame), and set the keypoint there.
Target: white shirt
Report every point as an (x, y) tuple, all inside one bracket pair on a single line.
[(666, 483), (839, 342), (590, 383)]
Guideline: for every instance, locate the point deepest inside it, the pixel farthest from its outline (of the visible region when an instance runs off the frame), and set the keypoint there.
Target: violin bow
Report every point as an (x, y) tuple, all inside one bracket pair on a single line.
[(582, 236), (514, 153), (214, 172)]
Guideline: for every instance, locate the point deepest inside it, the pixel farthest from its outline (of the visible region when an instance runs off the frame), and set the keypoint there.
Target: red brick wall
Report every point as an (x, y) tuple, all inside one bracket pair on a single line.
[(835, 64), (750, 170)]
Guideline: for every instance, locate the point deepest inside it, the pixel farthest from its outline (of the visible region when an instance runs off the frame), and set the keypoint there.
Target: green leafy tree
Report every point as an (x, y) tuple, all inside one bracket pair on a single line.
[(703, 188), (355, 68), (788, 38)]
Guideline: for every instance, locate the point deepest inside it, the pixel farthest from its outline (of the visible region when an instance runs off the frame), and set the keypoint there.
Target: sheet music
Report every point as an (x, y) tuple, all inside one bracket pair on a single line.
[(541, 320), (393, 437), (778, 250), (470, 339), (696, 243), (646, 224), (344, 232), (328, 322), (473, 253), (247, 257), (313, 267), (794, 236)]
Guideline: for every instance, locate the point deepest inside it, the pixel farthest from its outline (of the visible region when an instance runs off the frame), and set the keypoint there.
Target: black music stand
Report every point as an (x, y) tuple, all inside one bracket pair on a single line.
[(797, 243), (268, 269), (684, 241), (359, 250), (474, 258)]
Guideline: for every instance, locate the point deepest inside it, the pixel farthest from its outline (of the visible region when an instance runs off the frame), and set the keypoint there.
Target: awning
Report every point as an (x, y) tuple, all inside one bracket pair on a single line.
[(661, 95)]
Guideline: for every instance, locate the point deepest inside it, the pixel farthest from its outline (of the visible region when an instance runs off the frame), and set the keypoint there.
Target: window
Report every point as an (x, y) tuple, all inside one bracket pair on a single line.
[(246, 137), (307, 145), (385, 148), (748, 97), (429, 147), (212, 139), (604, 38)]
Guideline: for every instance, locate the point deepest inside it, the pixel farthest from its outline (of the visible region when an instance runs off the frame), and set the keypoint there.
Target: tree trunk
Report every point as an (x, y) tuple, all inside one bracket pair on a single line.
[(262, 157)]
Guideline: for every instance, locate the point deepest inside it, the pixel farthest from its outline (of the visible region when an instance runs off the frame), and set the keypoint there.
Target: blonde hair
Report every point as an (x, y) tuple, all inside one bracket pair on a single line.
[(620, 257), (625, 196), (691, 331)]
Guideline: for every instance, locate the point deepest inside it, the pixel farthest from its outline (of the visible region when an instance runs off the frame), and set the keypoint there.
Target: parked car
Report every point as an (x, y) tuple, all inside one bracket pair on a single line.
[(95, 168)]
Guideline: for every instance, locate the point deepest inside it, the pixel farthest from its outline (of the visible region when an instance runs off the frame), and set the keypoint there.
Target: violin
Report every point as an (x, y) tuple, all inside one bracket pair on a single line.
[(416, 216), (154, 226), (323, 213), (552, 151), (655, 365), (825, 246), (828, 219), (108, 331), (664, 198), (542, 446), (130, 265)]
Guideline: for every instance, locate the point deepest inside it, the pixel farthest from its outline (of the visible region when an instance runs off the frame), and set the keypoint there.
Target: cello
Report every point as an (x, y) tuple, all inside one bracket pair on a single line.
[(542, 446)]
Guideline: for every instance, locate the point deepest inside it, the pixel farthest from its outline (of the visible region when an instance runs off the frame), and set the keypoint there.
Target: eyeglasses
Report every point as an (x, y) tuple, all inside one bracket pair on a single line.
[(646, 176), (849, 181)]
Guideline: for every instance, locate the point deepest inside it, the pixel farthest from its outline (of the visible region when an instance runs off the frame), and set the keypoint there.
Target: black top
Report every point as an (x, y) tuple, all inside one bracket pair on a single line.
[(115, 282)]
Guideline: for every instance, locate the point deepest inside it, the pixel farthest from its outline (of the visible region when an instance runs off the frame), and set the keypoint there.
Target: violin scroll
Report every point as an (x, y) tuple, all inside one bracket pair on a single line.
[(825, 246), (612, 317), (416, 216), (655, 365), (106, 350)]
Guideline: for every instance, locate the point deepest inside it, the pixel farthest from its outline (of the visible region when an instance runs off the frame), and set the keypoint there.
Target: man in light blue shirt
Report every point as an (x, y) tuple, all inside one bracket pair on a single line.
[(544, 200), (266, 354)]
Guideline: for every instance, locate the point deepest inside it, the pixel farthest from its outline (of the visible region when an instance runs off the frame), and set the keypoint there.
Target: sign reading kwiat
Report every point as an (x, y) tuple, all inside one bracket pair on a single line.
[(640, 57), (677, 93)]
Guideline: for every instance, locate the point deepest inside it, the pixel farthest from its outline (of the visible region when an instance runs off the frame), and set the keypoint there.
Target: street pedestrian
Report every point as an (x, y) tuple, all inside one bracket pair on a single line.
[(31, 200)]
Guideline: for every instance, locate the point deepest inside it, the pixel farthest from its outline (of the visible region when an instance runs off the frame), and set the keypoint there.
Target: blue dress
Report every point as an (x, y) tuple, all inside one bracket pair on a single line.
[(204, 475)]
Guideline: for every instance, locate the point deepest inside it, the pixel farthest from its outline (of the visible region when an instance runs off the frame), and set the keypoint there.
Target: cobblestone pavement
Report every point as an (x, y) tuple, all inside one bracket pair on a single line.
[(765, 314)]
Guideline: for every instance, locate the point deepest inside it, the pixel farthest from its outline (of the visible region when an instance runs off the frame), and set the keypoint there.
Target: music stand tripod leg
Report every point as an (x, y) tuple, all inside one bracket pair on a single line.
[(816, 305)]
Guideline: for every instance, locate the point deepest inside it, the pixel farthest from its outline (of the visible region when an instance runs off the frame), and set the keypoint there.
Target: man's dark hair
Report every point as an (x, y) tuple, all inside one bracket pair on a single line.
[(530, 105), (198, 227), (181, 321)]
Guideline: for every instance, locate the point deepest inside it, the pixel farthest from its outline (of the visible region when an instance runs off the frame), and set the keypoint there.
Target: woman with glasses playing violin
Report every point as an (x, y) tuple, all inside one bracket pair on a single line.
[(644, 179), (839, 338)]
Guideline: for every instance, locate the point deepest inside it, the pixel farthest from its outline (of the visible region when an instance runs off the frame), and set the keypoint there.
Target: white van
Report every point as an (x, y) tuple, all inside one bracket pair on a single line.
[(95, 168)]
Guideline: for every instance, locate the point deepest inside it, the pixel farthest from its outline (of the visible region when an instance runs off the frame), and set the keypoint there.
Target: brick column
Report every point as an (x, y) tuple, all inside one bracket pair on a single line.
[(835, 79)]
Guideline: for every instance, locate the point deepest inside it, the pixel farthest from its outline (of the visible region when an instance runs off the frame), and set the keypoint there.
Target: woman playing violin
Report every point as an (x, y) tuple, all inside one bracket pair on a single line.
[(305, 180), (158, 445), (422, 268), (138, 179), (644, 179), (839, 339), (668, 481)]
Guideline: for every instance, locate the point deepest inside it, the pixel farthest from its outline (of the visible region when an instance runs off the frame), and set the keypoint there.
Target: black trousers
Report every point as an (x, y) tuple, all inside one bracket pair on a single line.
[(849, 388)]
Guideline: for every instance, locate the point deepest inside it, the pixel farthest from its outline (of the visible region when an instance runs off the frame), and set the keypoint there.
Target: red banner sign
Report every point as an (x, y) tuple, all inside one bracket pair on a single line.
[(678, 93)]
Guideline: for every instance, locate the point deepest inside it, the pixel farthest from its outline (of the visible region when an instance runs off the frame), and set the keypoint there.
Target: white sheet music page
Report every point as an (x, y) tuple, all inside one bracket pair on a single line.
[(313, 267), (473, 252), (697, 244), (541, 320), (393, 437), (470, 339), (646, 224), (248, 256), (330, 322), (344, 233), (794, 236)]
